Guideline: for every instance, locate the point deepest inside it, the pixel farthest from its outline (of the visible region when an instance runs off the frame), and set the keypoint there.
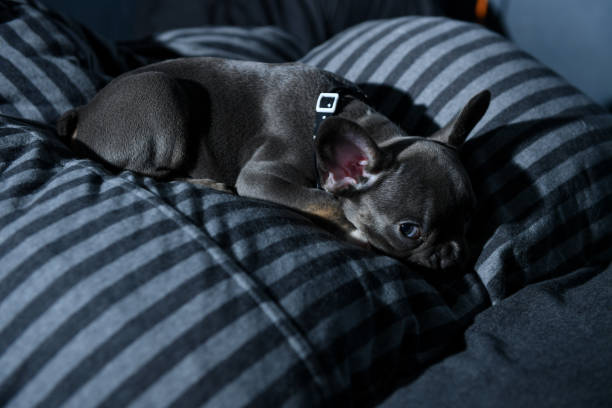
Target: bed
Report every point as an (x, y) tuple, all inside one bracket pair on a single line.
[(120, 290)]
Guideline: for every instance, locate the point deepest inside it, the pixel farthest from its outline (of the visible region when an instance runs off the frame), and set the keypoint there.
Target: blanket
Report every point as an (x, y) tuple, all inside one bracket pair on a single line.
[(117, 289)]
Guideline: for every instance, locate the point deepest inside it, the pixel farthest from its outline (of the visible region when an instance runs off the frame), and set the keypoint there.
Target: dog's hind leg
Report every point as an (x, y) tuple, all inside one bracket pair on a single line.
[(139, 122)]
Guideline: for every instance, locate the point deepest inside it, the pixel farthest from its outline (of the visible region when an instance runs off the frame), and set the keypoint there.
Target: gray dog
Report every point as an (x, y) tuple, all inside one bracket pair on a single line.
[(294, 135)]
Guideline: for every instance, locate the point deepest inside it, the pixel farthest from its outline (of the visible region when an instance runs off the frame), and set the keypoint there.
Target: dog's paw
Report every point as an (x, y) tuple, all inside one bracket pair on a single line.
[(212, 184), (335, 220), (358, 238)]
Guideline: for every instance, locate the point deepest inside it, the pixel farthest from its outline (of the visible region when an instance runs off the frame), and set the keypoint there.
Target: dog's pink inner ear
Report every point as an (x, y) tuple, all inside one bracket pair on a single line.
[(347, 167)]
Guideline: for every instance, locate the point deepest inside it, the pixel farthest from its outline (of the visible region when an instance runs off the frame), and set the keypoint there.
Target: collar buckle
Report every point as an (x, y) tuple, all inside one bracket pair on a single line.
[(327, 102)]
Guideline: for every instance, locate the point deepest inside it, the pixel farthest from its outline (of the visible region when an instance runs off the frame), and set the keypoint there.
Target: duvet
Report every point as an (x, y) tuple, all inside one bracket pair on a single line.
[(120, 290)]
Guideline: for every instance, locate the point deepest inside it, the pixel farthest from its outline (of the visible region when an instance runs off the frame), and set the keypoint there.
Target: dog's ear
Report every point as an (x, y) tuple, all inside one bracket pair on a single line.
[(458, 129), (347, 158)]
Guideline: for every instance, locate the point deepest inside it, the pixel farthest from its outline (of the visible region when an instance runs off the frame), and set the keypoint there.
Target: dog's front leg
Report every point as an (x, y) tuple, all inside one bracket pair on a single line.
[(312, 201)]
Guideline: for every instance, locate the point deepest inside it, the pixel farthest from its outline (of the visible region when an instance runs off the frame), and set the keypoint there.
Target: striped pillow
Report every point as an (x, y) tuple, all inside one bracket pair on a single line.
[(117, 289), (539, 160)]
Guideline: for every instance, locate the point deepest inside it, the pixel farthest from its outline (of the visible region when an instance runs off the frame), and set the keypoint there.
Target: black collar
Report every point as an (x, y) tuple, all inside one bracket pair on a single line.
[(331, 102)]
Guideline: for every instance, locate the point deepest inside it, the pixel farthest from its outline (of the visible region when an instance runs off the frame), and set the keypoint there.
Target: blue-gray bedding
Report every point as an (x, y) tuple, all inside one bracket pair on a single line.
[(120, 290)]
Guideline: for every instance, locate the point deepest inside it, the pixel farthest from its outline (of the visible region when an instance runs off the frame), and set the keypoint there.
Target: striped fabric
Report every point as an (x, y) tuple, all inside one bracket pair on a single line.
[(118, 290), (267, 44)]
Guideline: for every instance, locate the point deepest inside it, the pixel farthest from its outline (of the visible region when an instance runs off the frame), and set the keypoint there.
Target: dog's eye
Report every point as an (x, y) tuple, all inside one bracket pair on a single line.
[(410, 230)]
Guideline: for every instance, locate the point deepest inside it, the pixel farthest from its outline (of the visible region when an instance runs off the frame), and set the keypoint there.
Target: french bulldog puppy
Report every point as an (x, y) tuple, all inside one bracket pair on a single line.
[(294, 135)]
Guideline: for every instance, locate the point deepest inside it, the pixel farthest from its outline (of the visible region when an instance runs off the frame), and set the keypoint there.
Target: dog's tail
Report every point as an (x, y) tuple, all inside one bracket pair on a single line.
[(66, 125)]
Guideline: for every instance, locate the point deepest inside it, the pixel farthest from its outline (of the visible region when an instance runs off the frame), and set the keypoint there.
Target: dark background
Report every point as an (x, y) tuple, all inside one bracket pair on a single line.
[(572, 37)]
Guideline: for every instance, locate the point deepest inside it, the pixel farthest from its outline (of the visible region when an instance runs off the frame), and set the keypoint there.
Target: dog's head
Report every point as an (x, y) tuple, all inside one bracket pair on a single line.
[(408, 196)]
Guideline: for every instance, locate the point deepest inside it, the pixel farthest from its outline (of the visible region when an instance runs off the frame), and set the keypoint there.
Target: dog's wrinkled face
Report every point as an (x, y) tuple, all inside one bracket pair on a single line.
[(409, 197), (418, 211)]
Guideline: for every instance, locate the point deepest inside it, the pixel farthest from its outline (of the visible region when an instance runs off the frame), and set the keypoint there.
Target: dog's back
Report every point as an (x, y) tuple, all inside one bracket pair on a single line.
[(175, 118)]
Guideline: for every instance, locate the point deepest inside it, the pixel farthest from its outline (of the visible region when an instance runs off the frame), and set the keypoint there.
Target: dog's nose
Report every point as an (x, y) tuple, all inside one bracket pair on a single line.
[(448, 255)]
